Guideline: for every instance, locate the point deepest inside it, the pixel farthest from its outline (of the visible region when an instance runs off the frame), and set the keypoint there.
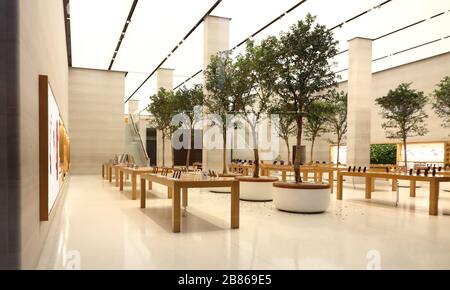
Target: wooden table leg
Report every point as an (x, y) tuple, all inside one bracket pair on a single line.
[(169, 192), (116, 175), (106, 172), (412, 188), (434, 197), (185, 197), (394, 185), (133, 186), (319, 177), (150, 185), (235, 195), (368, 187), (103, 171), (340, 181), (315, 176), (110, 173), (143, 193), (121, 180), (283, 175), (372, 184), (331, 180), (176, 209)]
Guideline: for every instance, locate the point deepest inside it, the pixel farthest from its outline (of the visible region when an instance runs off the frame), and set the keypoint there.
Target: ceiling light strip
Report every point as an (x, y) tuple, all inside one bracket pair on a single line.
[(176, 47), (190, 78), (404, 50), (68, 35), (290, 10), (270, 23), (124, 31)]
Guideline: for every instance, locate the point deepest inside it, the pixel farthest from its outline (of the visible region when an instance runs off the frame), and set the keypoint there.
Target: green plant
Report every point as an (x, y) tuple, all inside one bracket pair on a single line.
[(162, 108), (285, 127), (253, 84), (337, 122), (189, 102), (383, 154), (220, 101), (304, 71), (317, 116), (441, 101), (403, 109)]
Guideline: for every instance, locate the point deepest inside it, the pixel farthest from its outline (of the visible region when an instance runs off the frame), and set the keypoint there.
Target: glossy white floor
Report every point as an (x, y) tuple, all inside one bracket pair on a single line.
[(101, 228)]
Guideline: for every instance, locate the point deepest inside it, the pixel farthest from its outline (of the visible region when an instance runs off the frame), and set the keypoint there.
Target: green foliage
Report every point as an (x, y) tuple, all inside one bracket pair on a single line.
[(317, 116), (163, 106), (219, 77), (441, 101), (304, 69), (403, 109), (383, 154), (189, 102), (337, 121)]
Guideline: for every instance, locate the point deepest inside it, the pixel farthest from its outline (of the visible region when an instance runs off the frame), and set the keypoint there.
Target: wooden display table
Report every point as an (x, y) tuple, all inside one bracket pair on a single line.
[(134, 172), (179, 189), (369, 185), (240, 168), (318, 171)]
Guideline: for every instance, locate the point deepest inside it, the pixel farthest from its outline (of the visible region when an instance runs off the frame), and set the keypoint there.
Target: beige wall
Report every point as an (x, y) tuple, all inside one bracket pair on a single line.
[(97, 129), (42, 51)]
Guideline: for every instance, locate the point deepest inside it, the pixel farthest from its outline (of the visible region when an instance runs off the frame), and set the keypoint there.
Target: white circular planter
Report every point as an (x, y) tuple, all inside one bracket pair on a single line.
[(256, 189), (302, 197)]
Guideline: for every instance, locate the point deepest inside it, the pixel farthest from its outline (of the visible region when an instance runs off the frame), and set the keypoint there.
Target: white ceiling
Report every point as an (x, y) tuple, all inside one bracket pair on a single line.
[(158, 26)]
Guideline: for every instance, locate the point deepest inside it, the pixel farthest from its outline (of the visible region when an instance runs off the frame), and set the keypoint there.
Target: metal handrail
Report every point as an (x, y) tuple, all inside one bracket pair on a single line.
[(139, 135)]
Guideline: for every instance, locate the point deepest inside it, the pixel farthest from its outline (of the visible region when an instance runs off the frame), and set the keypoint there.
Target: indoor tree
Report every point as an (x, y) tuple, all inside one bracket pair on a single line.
[(162, 108), (441, 101), (403, 109), (318, 114), (337, 120), (219, 101), (253, 85), (284, 126), (304, 71), (190, 102)]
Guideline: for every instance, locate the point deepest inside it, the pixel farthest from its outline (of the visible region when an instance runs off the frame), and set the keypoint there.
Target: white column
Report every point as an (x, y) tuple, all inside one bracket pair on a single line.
[(164, 79), (216, 39), (359, 101), (133, 106)]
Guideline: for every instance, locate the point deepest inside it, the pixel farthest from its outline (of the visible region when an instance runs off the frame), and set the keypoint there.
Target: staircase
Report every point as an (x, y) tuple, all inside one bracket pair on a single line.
[(134, 143)]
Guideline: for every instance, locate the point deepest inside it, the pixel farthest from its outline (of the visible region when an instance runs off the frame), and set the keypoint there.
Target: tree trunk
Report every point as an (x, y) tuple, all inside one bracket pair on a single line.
[(297, 161), (312, 149), (188, 153), (163, 148), (338, 150), (173, 155), (406, 157), (288, 151), (224, 156), (256, 171)]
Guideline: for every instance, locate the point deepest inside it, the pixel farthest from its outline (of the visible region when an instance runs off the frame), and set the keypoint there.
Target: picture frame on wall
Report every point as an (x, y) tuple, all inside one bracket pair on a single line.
[(54, 149)]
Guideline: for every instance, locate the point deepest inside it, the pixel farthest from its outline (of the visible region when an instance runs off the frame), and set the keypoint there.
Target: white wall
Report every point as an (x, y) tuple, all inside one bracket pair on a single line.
[(42, 51), (97, 127)]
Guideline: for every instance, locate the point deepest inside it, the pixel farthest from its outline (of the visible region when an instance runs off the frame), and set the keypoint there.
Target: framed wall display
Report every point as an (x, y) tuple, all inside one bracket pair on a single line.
[(54, 149)]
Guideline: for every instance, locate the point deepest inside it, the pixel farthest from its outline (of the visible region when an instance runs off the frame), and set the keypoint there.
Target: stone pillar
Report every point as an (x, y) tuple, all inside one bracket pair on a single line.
[(359, 101), (133, 107), (164, 79), (216, 39)]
